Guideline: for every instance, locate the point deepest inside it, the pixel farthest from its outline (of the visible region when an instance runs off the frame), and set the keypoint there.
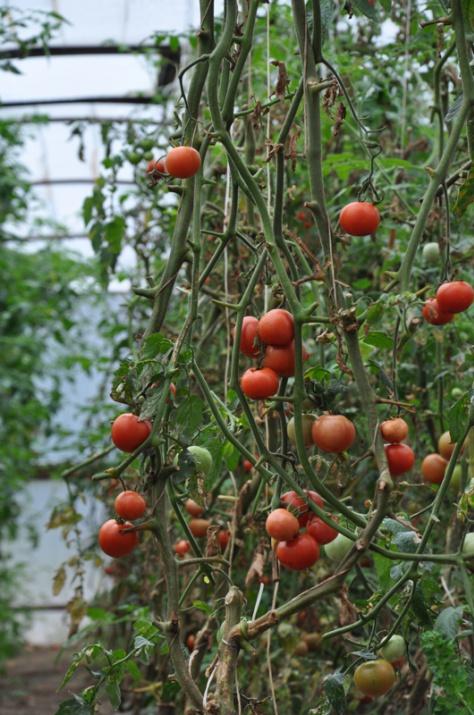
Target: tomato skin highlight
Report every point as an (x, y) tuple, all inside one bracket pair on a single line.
[(298, 554), (248, 336), (333, 433), (400, 458), (299, 506), (128, 432), (359, 218), (320, 531), (277, 327), (113, 542), (375, 677), (433, 314), (455, 296), (182, 162), (258, 384), (394, 430), (282, 359), (282, 525), (433, 468), (199, 527), (193, 508), (130, 505)]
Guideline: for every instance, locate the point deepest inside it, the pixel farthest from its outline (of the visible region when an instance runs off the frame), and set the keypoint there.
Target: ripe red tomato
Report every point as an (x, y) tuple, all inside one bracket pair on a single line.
[(298, 554), (191, 641), (433, 314), (193, 508), (433, 468), (223, 537), (259, 383), (394, 430), (181, 547), (375, 677), (306, 217), (282, 359), (158, 165), (333, 433), (400, 458), (248, 336), (115, 543), (128, 432), (247, 465), (277, 327), (282, 525), (455, 297), (445, 446), (320, 531), (359, 218), (298, 505), (199, 527), (150, 166), (182, 162), (130, 505)]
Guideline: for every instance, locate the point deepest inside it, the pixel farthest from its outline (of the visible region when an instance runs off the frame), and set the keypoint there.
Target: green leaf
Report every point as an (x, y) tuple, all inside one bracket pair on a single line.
[(155, 344), (201, 606), (448, 621), (366, 7), (379, 339), (114, 233), (374, 312), (334, 688), (189, 414), (113, 692), (100, 614), (458, 416), (87, 209), (75, 706), (466, 191)]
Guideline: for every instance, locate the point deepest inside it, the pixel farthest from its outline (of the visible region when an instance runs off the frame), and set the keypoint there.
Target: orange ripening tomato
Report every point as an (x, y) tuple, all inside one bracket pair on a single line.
[(193, 508), (433, 314), (282, 359), (130, 505), (247, 465), (191, 641), (129, 432), (298, 554), (400, 458), (445, 446), (181, 547), (359, 218), (113, 541), (199, 527), (223, 536), (299, 507), (277, 327), (258, 384), (433, 468), (248, 336), (375, 677), (333, 433), (182, 162), (282, 525), (455, 297), (394, 430)]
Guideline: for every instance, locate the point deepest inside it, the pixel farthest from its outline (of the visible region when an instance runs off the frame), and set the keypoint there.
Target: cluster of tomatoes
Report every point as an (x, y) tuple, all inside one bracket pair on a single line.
[(181, 162), (198, 528), (451, 298), (119, 538), (272, 336), (434, 465), (298, 550), (400, 457)]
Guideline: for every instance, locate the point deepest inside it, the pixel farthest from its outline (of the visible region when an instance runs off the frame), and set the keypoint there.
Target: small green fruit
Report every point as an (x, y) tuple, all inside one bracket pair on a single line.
[(468, 545), (394, 649), (455, 483), (340, 547), (431, 253), (307, 426), (456, 393), (202, 458)]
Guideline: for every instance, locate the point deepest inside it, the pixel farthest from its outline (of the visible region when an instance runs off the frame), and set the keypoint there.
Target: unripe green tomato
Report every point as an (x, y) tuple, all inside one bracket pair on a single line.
[(455, 483), (286, 630), (307, 421), (394, 649), (148, 155), (468, 545), (202, 458), (456, 393), (146, 144), (431, 253), (340, 547), (134, 158)]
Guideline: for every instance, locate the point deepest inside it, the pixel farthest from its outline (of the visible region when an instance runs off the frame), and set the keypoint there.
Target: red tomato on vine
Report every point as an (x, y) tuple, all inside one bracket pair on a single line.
[(359, 218), (113, 541), (182, 162), (298, 554), (129, 432), (130, 505), (400, 458), (277, 327), (258, 384), (455, 297), (333, 433)]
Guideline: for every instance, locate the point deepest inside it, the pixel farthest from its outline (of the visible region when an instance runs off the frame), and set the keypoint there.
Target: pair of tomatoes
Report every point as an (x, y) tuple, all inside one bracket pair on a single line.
[(295, 550), (400, 457), (451, 298), (276, 331), (434, 465), (181, 162), (115, 539)]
